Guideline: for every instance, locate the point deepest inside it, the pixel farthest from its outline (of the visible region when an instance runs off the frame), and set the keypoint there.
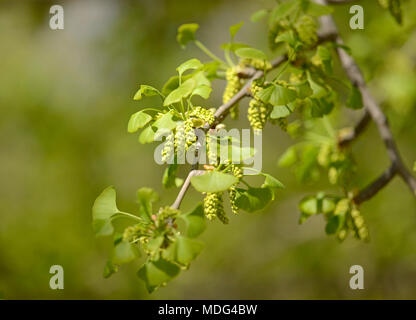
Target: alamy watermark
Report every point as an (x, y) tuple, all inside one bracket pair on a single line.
[(57, 280), (56, 21), (357, 20), (215, 146)]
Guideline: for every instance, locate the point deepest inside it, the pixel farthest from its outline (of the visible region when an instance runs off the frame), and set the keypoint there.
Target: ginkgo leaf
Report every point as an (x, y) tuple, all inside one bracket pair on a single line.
[(186, 33), (195, 221), (280, 112), (146, 91), (213, 181), (104, 208), (203, 91), (253, 199), (147, 135), (271, 182), (156, 273), (183, 250), (315, 9), (165, 122), (234, 29), (277, 95), (251, 53), (183, 91), (138, 120), (282, 10), (258, 15), (190, 64), (146, 197)]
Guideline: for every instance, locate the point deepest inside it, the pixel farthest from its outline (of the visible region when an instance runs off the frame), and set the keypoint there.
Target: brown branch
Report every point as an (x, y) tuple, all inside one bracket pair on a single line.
[(356, 77), (348, 135), (372, 189), (254, 74)]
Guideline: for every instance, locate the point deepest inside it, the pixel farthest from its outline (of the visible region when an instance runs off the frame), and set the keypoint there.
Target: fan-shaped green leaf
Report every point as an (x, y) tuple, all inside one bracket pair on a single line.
[(145, 198), (103, 209), (146, 91), (137, 121), (186, 33), (157, 273), (147, 135), (183, 91), (251, 53), (195, 221), (253, 199), (213, 181), (277, 95), (258, 15), (234, 29), (190, 64)]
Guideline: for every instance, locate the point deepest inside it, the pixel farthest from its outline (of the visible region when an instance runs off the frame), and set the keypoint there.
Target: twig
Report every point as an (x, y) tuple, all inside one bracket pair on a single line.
[(223, 110), (346, 137), (378, 184), (356, 77), (185, 187)]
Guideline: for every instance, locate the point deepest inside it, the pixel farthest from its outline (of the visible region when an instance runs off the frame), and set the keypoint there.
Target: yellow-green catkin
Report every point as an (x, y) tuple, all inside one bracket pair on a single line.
[(237, 171), (180, 140), (360, 227), (133, 233), (169, 147), (258, 112), (324, 155), (212, 149), (342, 234), (234, 84), (276, 29), (257, 115), (257, 64), (384, 3), (213, 207), (184, 137), (166, 213), (190, 136), (232, 192), (306, 29), (206, 115)]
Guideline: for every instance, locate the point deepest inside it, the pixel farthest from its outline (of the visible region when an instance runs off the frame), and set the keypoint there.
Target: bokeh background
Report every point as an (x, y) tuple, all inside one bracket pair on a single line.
[(65, 99)]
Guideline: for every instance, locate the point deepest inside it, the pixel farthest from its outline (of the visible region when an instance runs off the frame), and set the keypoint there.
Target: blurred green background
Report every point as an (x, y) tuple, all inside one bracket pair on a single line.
[(65, 99)]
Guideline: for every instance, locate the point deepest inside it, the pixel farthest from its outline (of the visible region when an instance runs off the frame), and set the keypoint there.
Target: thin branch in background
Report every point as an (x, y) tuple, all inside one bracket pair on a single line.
[(356, 77), (350, 134), (372, 189)]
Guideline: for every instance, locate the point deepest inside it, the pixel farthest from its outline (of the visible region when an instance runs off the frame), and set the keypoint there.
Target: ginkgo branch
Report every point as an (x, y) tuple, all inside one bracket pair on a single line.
[(251, 74), (185, 187)]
